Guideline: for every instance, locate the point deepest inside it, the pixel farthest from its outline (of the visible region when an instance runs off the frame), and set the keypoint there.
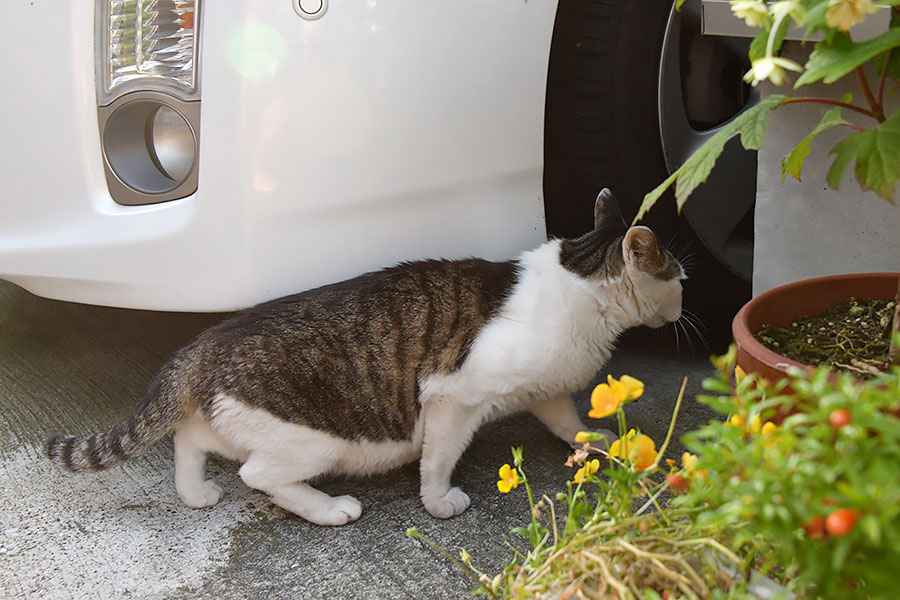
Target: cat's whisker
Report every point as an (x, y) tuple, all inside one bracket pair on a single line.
[(691, 319), (677, 339), (687, 336)]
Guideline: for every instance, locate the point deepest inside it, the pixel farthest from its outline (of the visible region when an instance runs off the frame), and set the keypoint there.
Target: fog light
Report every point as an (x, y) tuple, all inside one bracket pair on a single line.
[(171, 144), (148, 93), (150, 148)]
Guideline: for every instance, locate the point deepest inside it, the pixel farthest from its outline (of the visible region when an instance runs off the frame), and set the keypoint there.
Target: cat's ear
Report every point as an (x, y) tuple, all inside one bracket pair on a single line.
[(640, 248), (606, 210)]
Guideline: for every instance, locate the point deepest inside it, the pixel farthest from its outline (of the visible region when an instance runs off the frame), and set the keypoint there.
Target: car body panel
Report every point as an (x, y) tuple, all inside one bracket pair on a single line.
[(376, 134)]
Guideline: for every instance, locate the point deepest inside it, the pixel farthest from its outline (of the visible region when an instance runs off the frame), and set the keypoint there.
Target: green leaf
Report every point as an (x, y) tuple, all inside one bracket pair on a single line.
[(793, 162), (814, 18), (893, 64), (751, 125), (877, 155), (870, 526), (830, 62), (758, 45)]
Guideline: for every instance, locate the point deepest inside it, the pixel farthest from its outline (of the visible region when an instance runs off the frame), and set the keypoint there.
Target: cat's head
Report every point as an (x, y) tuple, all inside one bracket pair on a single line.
[(612, 251)]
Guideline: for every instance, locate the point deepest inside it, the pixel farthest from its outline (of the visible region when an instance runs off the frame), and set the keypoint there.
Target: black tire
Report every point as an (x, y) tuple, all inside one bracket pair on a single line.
[(602, 130)]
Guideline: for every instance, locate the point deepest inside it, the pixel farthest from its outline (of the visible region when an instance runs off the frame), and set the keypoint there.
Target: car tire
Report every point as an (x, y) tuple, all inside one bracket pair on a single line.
[(603, 129)]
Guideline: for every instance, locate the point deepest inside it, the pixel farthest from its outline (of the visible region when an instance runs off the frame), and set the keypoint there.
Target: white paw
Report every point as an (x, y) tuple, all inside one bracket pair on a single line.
[(449, 505), (342, 510), (206, 494)]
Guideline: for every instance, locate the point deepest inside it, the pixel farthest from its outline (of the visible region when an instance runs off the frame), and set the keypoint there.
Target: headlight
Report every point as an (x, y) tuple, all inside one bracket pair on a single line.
[(147, 44), (148, 92)]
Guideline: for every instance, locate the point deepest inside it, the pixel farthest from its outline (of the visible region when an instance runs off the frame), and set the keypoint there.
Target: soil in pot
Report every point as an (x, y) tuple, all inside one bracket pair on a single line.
[(853, 337)]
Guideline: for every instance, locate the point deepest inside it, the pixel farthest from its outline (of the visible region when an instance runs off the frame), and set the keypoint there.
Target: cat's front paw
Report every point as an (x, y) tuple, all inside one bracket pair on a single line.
[(205, 494), (339, 511), (449, 505)]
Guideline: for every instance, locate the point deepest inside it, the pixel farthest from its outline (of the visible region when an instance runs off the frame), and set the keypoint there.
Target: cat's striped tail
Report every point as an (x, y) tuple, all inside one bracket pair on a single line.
[(154, 417)]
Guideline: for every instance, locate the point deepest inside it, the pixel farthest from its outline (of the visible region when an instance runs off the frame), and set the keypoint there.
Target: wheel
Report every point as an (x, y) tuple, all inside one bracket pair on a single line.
[(632, 90)]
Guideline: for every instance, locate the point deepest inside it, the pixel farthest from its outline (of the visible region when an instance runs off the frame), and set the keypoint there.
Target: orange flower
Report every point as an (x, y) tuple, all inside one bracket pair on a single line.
[(509, 479), (640, 450)]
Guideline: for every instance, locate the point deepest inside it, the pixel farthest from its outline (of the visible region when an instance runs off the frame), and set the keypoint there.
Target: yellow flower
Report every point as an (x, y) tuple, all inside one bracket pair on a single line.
[(735, 421), (640, 449), (689, 462), (509, 479), (767, 431), (589, 468), (844, 14), (583, 436), (754, 12), (634, 388), (771, 68), (606, 397), (754, 424), (739, 373)]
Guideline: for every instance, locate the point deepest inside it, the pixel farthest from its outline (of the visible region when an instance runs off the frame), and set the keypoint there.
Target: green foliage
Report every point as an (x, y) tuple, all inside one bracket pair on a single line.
[(875, 147), (831, 61), (793, 162), (799, 483), (751, 125), (771, 491), (877, 155)]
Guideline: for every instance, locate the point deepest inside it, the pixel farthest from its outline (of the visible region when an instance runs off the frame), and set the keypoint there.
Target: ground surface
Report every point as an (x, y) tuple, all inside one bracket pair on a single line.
[(125, 533)]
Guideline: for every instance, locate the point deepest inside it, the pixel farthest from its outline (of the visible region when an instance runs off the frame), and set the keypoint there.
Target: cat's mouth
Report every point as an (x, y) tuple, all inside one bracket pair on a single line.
[(659, 320)]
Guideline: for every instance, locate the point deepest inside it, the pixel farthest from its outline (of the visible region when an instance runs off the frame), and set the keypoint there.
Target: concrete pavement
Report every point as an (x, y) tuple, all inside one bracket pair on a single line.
[(124, 533)]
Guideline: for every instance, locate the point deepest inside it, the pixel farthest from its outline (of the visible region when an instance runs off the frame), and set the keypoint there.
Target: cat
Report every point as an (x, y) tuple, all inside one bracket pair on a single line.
[(392, 366)]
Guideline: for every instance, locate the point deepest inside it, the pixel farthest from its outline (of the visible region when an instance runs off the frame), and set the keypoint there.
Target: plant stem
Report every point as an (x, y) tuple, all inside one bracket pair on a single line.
[(894, 355), (877, 110), (414, 533), (884, 71), (534, 540), (830, 102), (662, 449)]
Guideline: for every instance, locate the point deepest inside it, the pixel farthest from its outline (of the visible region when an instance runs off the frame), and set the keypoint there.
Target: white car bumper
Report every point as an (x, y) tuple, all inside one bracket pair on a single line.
[(381, 132)]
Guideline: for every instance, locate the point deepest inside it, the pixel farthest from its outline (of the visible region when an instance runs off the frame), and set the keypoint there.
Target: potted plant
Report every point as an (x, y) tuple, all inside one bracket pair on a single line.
[(873, 144)]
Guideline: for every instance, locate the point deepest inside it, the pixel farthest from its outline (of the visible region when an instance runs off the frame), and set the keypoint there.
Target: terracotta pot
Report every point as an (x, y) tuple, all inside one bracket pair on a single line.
[(782, 305)]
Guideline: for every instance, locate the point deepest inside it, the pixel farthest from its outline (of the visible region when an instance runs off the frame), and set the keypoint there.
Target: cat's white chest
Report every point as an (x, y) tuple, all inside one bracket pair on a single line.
[(550, 338)]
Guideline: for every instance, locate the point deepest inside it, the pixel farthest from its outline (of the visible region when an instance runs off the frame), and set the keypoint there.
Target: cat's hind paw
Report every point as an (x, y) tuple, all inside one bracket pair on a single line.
[(206, 494), (449, 505)]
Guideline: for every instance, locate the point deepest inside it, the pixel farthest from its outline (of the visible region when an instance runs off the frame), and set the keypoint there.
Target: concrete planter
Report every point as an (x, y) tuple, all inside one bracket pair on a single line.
[(805, 229)]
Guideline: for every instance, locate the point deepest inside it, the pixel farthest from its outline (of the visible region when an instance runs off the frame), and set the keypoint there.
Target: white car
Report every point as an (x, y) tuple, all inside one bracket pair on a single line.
[(205, 156)]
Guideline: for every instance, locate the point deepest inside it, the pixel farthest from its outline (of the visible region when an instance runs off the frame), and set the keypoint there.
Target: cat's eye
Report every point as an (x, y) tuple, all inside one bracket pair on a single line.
[(148, 97)]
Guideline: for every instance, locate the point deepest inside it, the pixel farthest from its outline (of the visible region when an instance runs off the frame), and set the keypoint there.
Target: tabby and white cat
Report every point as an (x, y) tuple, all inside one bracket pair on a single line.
[(404, 363)]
